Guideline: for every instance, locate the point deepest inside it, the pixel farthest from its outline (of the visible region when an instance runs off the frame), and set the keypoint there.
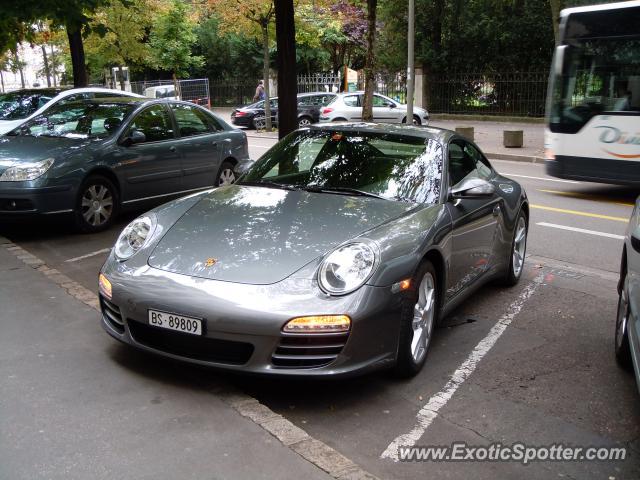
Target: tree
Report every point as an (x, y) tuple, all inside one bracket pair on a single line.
[(369, 63), (171, 40), (119, 35), (19, 16), (287, 79), (252, 17)]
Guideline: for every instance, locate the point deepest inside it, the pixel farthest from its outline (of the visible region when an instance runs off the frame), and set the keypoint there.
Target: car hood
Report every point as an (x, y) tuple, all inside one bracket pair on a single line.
[(259, 235), (15, 150)]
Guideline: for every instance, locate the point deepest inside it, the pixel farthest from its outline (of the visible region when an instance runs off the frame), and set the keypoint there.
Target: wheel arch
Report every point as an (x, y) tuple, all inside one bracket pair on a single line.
[(437, 260), (102, 171)]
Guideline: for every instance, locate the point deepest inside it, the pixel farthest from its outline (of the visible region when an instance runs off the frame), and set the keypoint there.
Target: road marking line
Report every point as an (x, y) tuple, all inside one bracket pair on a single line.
[(88, 255), (538, 178), (582, 214), (429, 412), (586, 196), (581, 230)]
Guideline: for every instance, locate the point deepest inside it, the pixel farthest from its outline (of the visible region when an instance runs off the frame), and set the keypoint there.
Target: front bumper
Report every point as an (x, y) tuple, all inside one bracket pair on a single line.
[(243, 323), (19, 201)]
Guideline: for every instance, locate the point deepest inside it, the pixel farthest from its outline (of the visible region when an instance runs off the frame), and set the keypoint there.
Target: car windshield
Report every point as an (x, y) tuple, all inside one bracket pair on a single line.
[(80, 120), (21, 104), (385, 165)]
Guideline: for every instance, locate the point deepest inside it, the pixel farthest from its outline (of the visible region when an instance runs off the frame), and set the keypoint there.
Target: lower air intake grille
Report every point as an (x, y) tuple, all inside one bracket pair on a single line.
[(111, 314), (297, 350), (191, 346)]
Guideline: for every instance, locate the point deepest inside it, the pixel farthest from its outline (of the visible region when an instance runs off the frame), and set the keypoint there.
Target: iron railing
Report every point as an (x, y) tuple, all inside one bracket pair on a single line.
[(516, 94), (196, 90)]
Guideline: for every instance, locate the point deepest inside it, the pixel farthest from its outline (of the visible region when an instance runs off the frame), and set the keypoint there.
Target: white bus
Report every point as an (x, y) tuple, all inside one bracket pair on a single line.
[(593, 105)]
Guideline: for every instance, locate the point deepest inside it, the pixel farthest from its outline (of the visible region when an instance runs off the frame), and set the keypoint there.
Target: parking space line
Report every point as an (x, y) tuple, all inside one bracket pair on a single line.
[(429, 412), (586, 196), (506, 174), (581, 214), (581, 230), (88, 255)]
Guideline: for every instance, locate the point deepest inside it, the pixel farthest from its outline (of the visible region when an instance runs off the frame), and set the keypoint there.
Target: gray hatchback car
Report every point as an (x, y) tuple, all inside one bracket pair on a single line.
[(93, 158)]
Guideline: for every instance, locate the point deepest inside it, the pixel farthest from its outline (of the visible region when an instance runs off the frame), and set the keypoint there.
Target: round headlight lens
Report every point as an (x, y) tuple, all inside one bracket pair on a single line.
[(134, 236), (347, 268)]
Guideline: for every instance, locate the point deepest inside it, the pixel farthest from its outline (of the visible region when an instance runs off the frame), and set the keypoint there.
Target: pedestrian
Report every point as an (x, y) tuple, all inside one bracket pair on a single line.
[(260, 95)]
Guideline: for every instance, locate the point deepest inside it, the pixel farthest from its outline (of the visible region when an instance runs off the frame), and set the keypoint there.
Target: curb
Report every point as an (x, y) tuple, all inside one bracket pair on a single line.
[(289, 435), (514, 158)]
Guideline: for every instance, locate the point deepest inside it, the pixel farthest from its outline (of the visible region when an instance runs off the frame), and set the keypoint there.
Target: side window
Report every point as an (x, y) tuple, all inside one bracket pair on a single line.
[(73, 98), (155, 123), (351, 101), (484, 171), (190, 120), (214, 122), (379, 101), (461, 165)]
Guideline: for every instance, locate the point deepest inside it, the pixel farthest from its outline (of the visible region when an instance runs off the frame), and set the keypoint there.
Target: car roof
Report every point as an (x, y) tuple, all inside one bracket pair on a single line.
[(441, 134)]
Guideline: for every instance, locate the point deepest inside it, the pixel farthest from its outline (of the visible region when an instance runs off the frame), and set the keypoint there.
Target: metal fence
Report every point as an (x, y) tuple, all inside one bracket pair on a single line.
[(318, 82), (393, 85), (196, 90), (517, 94)]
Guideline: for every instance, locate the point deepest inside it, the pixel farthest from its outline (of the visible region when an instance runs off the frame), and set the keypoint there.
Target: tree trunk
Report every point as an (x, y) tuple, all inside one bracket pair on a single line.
[(556, 6), (2, 81), (20, 69), (76, 49), (369, 62), (53, 65), (176, 86), (287, 81), (45, 61), (265, 74)]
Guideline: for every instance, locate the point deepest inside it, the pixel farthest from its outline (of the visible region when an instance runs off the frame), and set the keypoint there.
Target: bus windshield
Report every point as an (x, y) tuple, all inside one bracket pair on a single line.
[(599, 75)]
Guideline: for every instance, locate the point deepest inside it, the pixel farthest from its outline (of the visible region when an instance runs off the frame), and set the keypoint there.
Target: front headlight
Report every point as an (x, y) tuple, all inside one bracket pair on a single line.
[(347, 268), (26, 171), (135, 236)]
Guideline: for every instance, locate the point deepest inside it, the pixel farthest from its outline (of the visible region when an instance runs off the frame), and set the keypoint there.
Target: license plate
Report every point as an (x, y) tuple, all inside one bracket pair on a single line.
[(172, 321)]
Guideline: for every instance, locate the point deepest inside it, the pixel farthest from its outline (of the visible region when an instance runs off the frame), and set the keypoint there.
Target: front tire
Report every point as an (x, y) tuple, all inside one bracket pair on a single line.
[(622, 347), (518, 251), (97, 204), (418, 319), (304, 122)]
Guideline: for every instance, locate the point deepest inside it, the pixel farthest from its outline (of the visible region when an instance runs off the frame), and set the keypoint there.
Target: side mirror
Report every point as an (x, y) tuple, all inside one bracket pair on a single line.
[(473, 188), (135, 136), (391, 105)]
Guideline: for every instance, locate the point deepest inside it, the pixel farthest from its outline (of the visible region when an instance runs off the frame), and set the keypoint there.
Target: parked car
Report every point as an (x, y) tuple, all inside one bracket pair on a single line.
[(18, 106), (309, 105), (347, 107), (92, 158), (627, 336), (336, 253), (161, 91)]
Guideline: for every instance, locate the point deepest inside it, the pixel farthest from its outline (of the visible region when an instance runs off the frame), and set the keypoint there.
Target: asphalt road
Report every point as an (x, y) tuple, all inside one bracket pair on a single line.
[(531, 364)]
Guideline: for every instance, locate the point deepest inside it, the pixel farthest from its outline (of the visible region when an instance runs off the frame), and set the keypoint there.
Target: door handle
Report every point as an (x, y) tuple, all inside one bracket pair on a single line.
[(496, 210), (172, 149)]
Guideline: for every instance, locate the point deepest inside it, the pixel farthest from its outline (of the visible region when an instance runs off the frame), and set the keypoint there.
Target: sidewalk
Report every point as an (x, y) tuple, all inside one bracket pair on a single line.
[(488, 136), (74, 404)]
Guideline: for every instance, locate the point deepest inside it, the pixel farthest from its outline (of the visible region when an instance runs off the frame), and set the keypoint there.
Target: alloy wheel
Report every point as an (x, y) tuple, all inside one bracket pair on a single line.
[(304, 122), (519, 246), (97, 205), (423, 318), (227, 177)]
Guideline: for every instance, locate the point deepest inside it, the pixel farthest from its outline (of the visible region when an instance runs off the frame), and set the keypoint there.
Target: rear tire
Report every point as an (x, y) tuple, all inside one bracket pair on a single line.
[(416, 120), (226, 175), (518, 251), (622, 347), (97, 204), (304, 122), (418, 318)]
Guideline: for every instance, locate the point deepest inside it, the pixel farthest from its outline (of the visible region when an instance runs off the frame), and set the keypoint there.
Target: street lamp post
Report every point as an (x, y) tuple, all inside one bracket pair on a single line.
[(410, 62)]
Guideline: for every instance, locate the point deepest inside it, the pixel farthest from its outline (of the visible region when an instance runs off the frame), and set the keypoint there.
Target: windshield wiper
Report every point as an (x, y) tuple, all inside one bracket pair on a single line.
[(342, 190), (269, 184)]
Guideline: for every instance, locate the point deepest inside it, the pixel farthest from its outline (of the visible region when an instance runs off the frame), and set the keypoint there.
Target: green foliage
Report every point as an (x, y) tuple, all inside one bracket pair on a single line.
[(171, 40)]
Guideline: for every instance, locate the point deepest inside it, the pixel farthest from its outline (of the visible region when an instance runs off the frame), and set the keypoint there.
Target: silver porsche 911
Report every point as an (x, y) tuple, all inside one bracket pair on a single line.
[(337, 253)]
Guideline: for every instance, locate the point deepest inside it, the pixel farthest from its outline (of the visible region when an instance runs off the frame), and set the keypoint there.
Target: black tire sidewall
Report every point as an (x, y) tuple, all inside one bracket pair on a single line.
[(80, 222), (623, 352)]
